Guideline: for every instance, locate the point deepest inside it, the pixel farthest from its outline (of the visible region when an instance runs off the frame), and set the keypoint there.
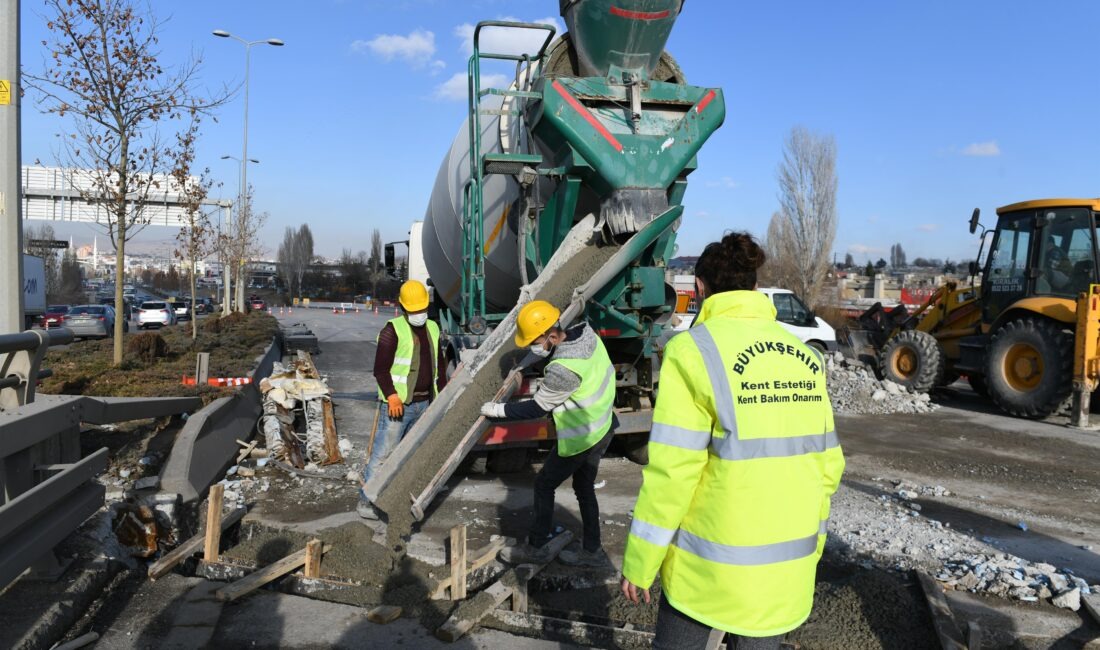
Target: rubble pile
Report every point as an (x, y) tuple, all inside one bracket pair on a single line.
[(890, 531), (1008, 576), (855, 390)]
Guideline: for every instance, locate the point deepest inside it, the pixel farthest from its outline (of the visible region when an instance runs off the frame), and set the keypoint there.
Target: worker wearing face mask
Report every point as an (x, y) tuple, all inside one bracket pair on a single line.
[(578, 388), (410, 371)]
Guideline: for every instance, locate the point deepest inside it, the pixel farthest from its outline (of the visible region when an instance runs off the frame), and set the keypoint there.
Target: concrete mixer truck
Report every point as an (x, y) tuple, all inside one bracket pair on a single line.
[(565, 185)]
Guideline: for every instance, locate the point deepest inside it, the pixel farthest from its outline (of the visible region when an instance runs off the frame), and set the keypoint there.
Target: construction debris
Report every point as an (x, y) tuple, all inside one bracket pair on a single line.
[(1009, 576), (855, 389), (298, 422)]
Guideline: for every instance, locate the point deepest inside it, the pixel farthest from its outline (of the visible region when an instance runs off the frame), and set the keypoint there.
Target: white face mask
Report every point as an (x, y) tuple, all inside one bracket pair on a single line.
[(418, 320), (539, 351)]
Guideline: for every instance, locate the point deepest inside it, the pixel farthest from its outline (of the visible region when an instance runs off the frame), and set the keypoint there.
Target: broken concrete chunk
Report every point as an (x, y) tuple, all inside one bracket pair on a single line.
[(1069, 599), (147, 483)]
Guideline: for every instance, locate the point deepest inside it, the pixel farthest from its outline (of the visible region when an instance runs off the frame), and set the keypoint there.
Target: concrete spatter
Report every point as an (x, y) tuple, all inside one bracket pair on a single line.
[(422, 465)]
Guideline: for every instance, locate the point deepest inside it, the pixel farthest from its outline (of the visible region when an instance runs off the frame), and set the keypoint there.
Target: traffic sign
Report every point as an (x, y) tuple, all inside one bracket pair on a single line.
[(47, 243)]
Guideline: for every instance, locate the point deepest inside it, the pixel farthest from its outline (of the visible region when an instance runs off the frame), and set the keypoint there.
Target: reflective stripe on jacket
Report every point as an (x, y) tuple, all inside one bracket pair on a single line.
[(583, 419), (403, 356), (743, 458)]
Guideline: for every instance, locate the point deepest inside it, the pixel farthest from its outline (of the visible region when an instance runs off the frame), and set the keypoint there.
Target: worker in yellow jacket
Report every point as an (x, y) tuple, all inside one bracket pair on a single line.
[(743, 460)]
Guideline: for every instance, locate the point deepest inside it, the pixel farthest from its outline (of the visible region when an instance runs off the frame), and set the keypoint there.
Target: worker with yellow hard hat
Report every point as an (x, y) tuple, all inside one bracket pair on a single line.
[(743, 461), (578, 389), (410, 370)]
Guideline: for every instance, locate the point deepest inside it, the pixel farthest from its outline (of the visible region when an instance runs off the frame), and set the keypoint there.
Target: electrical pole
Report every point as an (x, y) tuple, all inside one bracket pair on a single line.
[(11, 217)]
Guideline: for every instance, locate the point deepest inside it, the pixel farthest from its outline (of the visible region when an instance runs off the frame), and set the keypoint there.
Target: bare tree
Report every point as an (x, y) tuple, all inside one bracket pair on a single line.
[(303, 253), (807, 209), (376, 264), (194, 238), (780, 269), (897, 256), (102, 67), (245, 245), (284, 258), (33, 244)]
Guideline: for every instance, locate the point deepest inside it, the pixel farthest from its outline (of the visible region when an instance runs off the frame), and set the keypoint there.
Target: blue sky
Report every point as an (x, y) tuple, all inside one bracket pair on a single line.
[(937, 107)]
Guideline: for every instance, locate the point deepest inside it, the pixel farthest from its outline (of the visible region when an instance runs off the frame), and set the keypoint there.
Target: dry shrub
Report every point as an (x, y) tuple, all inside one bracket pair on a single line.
[(215, 325), (147, 346)]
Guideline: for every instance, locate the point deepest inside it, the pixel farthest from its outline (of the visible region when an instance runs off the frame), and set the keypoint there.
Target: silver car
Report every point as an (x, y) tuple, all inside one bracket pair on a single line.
[(155, 314), (91, 321)]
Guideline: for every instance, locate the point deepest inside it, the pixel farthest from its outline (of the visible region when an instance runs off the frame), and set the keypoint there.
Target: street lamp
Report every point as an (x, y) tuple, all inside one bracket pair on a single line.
[(227, 231), (244, 159)]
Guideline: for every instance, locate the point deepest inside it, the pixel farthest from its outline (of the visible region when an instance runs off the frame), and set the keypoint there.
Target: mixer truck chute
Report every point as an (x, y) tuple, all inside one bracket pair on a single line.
[(565, 186)]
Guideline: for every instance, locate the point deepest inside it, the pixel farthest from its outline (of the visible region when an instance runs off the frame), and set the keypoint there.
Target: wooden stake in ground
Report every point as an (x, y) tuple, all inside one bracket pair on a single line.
[(312, 568), (213, 523), (190, 547), (483, 556), (254, 581), (463, 620), (458, 562), (332, 443)]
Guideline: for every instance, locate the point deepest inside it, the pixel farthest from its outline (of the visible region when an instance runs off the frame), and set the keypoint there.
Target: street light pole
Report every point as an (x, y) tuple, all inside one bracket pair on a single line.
[(11, 218), (242, 201), (226, 266)]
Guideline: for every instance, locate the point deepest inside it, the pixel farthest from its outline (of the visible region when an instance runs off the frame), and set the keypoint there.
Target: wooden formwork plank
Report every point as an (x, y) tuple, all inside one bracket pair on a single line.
[(254, 581), (944, 623), (190, 547), (213, 523), (458, 562)]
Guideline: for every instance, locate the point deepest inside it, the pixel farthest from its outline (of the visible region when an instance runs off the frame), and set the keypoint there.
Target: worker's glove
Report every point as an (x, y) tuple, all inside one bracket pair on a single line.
[(397, 407), (492, 410)]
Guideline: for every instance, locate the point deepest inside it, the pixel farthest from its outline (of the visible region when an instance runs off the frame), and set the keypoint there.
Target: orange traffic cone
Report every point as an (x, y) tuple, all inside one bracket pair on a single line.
[(334, 311)]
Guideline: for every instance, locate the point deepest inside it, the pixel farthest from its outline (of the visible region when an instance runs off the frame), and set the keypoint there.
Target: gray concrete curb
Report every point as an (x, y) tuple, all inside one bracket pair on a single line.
[(206, 446), (70, 605)]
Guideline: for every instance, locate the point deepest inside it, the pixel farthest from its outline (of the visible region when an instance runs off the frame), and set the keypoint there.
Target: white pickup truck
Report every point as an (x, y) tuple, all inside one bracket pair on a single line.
[(793, 315)]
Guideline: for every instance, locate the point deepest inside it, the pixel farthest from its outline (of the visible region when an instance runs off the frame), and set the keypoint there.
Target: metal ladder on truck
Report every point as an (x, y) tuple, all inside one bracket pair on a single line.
[(473, 317)]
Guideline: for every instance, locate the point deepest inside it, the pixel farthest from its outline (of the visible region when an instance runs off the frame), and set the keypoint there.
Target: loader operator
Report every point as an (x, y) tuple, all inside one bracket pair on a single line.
[(743, 459), (410, 371), (578, 388)]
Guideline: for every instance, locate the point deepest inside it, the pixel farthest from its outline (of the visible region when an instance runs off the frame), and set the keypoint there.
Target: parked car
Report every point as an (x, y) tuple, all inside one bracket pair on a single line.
[(798, 319), (92, 321), (54, 316), (257, 303), (127, 310), (155, 314), (182, 309)]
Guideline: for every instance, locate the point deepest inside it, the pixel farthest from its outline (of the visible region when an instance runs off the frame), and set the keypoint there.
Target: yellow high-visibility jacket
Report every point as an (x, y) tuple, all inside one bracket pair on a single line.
[(743, 458)]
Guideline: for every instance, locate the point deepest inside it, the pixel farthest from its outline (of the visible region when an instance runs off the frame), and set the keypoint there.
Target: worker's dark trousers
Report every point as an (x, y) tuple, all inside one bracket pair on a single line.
[(678, 631), (583, 468)]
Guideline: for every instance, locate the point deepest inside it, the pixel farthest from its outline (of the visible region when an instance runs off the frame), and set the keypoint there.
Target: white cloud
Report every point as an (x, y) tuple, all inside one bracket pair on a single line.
[(863, 249), (436, 67), (504, 40), (416, 48), (456, 88), (725, 182), (982, 149), (928, 227)]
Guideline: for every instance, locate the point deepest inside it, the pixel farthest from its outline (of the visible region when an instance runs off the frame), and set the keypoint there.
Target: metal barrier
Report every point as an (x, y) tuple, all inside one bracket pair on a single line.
[(20, 361), (46, 489)]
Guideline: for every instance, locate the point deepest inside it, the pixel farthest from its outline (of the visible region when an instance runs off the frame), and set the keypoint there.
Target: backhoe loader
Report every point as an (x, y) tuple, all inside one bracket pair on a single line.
[(1026, 335)]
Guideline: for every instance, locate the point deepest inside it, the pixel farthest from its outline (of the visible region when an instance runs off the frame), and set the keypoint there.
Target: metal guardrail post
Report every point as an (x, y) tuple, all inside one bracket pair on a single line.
[(20, 362)]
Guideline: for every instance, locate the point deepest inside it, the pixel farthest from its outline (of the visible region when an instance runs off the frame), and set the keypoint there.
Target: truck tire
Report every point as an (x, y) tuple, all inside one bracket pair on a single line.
[(977, 383), (913, 359), (508, 461), (1029, 367), (635, 447)]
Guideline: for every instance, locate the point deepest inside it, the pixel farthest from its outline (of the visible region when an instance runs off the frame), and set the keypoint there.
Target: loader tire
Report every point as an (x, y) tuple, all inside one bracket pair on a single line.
[(977, 383), (913, 359), (1029, 367), (508, 461)]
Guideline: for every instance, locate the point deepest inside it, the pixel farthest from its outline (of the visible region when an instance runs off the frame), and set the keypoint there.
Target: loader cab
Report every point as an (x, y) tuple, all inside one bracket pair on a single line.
[(1040, 249)]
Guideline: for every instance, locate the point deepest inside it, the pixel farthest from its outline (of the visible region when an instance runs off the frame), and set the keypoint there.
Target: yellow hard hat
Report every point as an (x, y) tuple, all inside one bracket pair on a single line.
[(535, 318), (413, 296)]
